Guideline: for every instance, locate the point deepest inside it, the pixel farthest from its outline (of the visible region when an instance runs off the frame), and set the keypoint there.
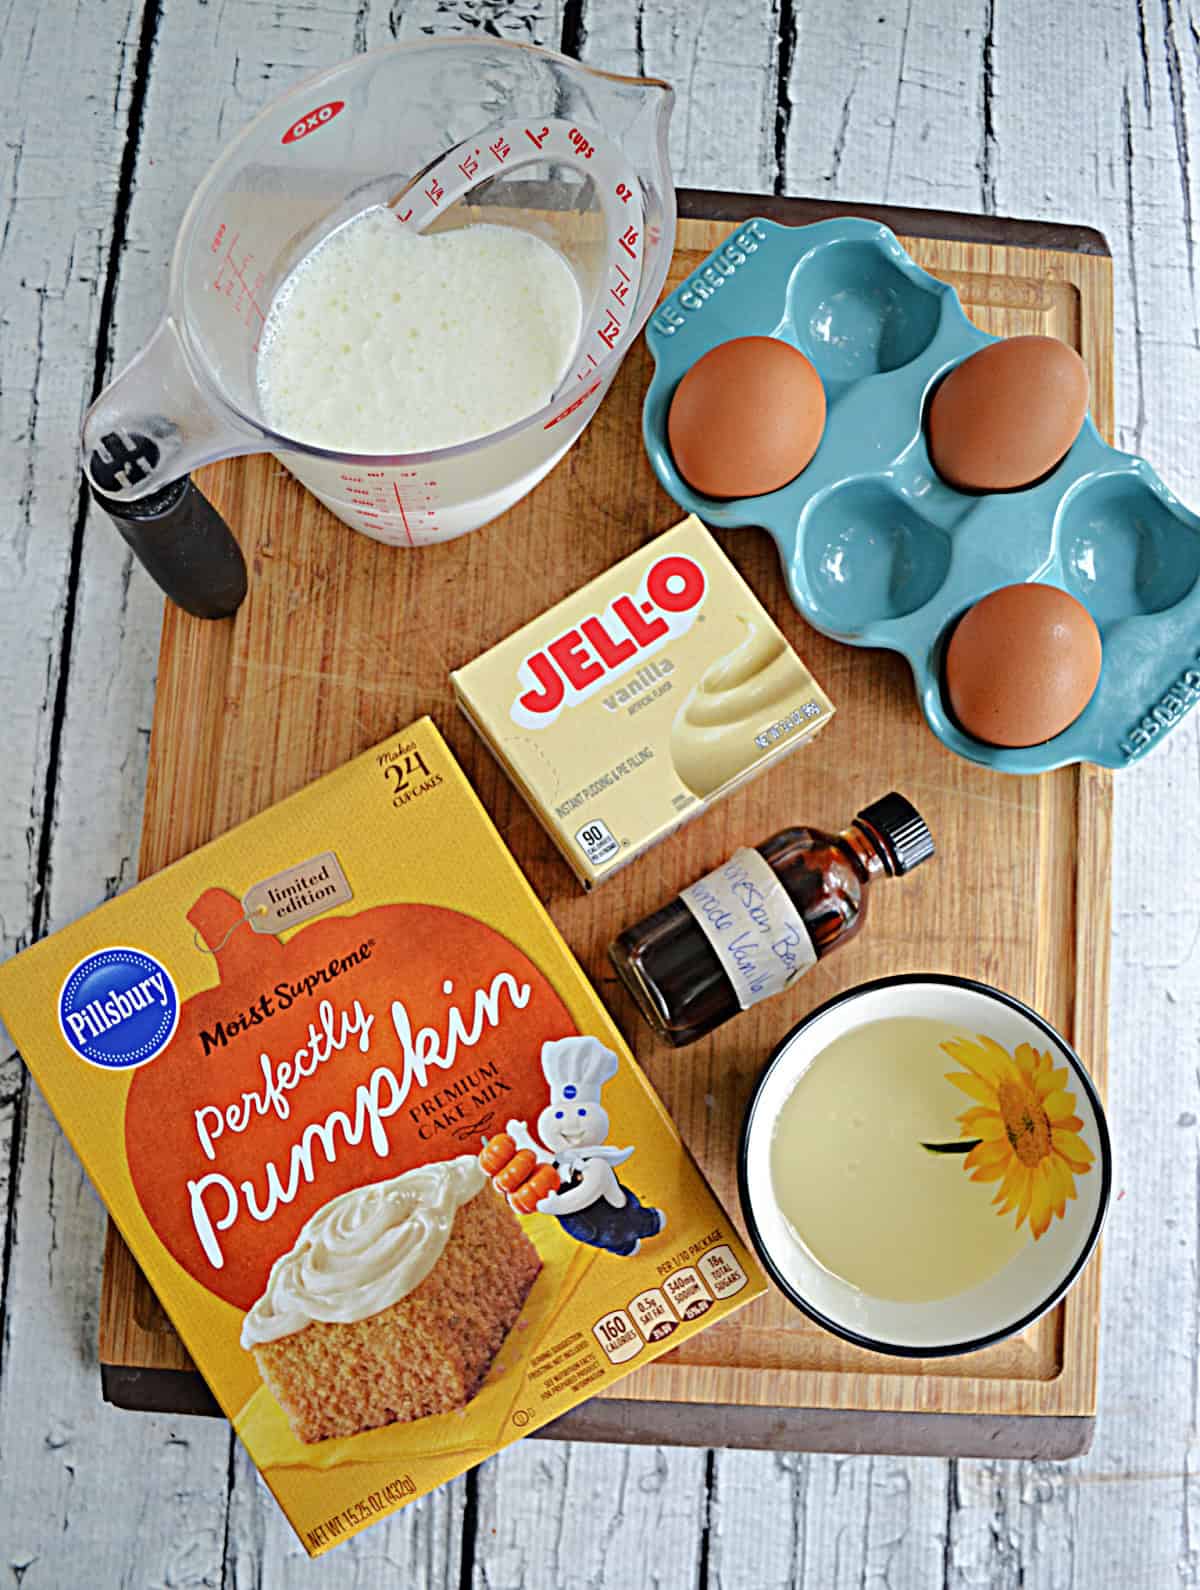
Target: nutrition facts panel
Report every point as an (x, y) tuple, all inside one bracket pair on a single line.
[(654, 1314)]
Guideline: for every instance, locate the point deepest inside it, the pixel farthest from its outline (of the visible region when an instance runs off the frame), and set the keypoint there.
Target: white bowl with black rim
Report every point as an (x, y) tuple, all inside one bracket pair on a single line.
[(1007, 1301)]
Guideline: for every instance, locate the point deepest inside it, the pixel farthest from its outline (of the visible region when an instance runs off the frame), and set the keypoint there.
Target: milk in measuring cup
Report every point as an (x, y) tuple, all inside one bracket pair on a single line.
[(381, 341)]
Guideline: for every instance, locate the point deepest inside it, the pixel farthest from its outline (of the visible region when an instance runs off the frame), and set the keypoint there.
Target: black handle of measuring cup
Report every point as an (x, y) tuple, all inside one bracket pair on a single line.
[(184, 545)]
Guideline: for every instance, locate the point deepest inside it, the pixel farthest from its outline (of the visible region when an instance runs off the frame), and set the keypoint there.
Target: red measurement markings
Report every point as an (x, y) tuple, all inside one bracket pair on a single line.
[(403, 515), (375, 495), (500, 150), (621, 289), (571, 407), (247, 304), (610, 330), (628, 241), (538, 138)]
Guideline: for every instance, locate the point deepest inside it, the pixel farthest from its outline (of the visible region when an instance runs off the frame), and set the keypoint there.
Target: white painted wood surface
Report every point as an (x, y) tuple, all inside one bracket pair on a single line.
[(1076, 110)]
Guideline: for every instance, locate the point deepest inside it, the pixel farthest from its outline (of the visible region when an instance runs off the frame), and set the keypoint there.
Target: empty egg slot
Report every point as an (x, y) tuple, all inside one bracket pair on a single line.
[(857, 314), (1125, 551), (870, 556)]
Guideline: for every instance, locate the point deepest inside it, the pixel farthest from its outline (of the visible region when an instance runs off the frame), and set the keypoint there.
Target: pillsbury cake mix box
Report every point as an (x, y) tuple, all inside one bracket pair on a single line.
[(381, 1152)]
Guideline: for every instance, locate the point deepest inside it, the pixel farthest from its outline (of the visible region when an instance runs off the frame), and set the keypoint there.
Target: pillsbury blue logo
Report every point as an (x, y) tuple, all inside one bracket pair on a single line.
[(118, 1008)]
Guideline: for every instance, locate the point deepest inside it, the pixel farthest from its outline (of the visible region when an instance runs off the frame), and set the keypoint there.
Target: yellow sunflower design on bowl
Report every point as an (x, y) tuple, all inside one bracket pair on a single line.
[(1022, 1130)]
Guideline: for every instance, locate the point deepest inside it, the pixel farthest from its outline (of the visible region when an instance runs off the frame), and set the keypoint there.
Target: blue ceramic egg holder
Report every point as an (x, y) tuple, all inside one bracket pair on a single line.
[(876, 549)]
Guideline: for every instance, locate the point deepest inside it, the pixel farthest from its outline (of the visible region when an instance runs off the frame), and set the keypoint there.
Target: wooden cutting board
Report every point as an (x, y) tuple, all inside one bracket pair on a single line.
[(342, 641)]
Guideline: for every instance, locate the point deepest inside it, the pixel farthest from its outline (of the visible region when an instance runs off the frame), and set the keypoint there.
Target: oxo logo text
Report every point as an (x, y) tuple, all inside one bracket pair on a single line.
[(603, 646), (315, 118)]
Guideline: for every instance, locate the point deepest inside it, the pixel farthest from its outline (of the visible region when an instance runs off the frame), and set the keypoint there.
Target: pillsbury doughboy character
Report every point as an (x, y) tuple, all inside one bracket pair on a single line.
[(591, 1205)]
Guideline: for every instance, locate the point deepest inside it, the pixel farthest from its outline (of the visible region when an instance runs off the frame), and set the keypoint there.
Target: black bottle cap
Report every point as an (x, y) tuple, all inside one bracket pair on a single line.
[(900, 829)]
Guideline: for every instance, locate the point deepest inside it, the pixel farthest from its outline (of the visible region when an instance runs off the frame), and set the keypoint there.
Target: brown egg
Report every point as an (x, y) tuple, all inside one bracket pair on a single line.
[(1022, 664), (1004, 417), (746, 418)]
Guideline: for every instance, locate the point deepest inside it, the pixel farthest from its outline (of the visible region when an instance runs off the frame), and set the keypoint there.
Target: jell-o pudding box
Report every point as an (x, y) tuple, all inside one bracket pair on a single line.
[(378, 1147), (634, 704)]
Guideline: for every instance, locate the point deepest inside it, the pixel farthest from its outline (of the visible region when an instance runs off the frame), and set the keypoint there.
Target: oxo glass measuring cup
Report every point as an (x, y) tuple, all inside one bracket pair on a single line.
[(447, 132)]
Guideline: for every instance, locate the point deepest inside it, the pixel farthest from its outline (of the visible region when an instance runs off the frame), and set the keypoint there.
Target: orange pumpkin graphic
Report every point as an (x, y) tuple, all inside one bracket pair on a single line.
[(362, 1047)]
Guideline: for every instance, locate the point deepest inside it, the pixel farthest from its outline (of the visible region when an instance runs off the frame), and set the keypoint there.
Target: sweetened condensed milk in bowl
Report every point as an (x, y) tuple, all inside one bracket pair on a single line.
[(924, 1166)]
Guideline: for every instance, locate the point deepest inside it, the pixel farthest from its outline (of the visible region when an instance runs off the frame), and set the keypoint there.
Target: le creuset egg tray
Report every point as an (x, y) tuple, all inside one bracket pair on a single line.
[(876, 549)]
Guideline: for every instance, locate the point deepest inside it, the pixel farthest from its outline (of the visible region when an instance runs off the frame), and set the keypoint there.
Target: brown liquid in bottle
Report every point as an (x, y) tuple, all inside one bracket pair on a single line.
[(668, 962)]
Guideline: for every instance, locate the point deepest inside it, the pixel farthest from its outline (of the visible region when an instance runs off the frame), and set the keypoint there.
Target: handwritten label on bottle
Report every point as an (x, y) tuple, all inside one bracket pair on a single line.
[(748, 917)]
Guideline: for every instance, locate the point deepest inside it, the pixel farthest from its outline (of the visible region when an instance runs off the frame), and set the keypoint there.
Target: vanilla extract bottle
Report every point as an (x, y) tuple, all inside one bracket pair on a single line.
[(756, 924)]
